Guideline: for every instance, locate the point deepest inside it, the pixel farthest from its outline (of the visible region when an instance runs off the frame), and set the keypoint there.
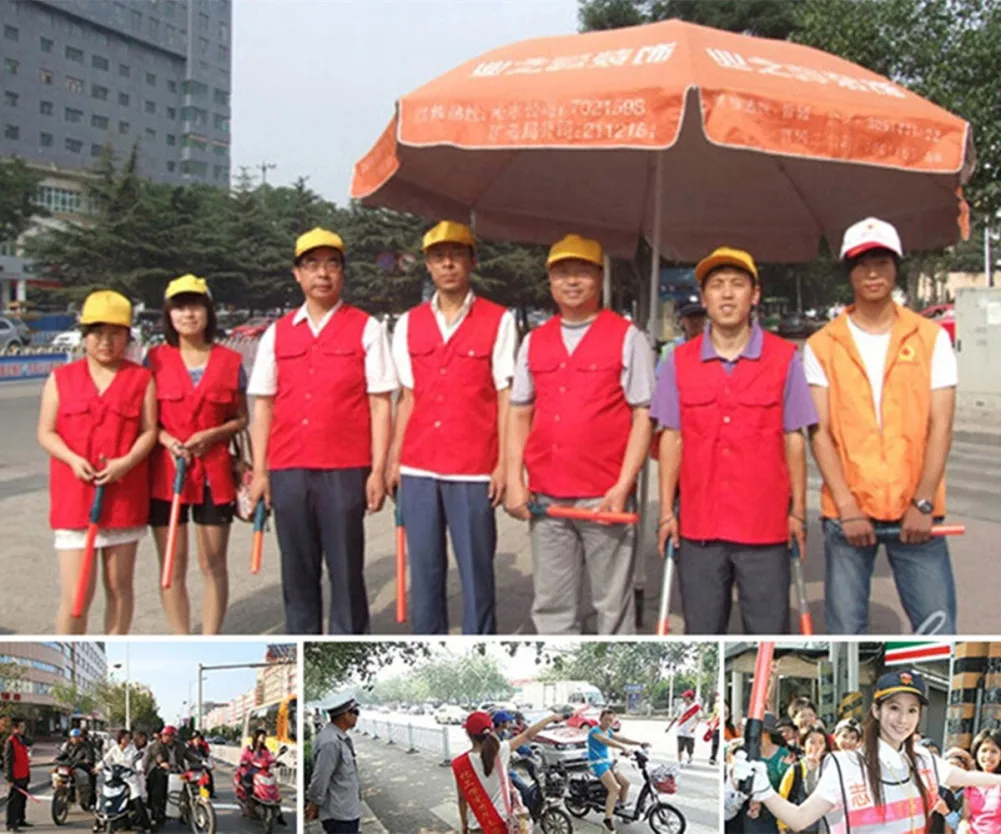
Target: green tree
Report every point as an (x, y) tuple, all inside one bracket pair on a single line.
[(144, 711), (73, 699), (767, 18), (11, 676), (18, 189), (330, 666)]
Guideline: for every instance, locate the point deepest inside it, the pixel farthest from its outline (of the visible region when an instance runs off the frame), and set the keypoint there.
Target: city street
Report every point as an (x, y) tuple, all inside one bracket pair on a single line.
[(415, 792), (256, 604)]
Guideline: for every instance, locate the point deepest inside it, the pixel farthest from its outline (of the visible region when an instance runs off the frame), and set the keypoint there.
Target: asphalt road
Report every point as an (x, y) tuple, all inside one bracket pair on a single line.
[(229, 820)]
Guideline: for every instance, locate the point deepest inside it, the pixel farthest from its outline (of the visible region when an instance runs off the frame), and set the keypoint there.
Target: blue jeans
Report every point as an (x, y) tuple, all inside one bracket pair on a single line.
[(921, 572)]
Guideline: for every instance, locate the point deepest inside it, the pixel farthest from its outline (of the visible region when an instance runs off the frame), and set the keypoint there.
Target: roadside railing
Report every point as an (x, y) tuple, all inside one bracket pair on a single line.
[(415, 738)]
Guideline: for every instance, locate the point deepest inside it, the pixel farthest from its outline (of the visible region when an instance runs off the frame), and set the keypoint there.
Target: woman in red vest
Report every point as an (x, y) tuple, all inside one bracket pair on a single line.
[(98, 424), (200, 389)]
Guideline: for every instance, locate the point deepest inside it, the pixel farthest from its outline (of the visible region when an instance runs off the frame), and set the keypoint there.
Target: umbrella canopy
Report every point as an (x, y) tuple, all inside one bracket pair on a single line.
[(676, 132)]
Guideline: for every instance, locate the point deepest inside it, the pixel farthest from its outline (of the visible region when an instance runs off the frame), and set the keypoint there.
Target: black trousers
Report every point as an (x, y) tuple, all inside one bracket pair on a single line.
[(342, 826), (320, 519), (16, 803), (156, 791), (715, 748), (140, 812)]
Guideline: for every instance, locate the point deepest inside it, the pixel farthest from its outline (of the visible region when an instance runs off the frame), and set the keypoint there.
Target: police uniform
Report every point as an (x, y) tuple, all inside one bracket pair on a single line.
[(335, 787)]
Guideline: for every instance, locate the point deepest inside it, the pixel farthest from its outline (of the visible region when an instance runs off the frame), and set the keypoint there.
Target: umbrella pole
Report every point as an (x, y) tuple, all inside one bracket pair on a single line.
[(606, 287)]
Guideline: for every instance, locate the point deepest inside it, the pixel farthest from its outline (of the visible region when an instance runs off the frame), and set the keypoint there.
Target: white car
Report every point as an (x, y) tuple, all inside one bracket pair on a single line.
[(449, 714), (67, 340)]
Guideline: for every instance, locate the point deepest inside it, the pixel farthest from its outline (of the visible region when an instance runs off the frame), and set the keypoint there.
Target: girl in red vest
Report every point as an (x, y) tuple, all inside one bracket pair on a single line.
[(98, 424), (200, 391)]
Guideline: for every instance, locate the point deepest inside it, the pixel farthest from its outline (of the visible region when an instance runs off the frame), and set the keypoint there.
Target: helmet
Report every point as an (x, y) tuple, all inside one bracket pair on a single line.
[(169, 730), (75, 733)]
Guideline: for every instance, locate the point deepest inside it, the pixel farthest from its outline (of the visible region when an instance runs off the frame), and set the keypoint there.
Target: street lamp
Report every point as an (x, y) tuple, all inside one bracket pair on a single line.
[(128, 686)]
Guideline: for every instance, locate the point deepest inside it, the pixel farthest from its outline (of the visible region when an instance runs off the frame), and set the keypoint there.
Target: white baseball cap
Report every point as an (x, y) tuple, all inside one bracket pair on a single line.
[(871, 233)]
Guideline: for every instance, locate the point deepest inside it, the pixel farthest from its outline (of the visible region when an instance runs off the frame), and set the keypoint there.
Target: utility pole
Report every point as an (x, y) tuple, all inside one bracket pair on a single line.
[(265, 167)]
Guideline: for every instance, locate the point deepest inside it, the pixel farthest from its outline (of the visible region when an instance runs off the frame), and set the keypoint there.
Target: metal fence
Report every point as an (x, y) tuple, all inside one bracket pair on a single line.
[(432, 740)]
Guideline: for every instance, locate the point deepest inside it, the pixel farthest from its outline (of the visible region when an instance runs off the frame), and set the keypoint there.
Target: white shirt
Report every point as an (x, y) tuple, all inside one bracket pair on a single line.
[(127, 757), (686, 729), (492, 783), (379, 371), (873, 347), (501, 363)]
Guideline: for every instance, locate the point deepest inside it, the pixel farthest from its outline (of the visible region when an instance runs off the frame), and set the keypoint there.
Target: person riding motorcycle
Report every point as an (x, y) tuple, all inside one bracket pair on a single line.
[(75, 753), (198, 743), (162, 756), (256, 756), (125, 754)]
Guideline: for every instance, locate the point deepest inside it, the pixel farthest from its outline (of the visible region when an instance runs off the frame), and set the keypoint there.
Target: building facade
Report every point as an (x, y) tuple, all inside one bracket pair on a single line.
[(79, 74), (40, 667)]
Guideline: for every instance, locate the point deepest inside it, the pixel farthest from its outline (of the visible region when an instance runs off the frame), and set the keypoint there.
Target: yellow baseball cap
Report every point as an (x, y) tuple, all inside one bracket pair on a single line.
[(725, 256), (448, 231), (187, 283), (315, 238), (575, 246), (106, 307)]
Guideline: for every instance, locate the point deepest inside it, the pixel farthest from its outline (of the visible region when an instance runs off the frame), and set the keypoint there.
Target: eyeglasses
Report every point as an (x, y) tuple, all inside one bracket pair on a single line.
[(311, 265), (355, 712)]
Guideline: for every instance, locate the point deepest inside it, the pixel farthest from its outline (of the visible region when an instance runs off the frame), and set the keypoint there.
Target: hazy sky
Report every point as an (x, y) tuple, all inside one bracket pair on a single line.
[(170, 670), (315, 81)]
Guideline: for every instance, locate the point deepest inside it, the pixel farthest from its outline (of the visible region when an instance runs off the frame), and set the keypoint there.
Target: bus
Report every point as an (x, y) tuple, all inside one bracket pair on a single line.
[(279, 719)]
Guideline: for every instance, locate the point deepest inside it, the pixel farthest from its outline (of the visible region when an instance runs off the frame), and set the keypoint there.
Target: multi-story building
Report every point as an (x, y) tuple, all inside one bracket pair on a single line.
[(278, 679), (39, 668)]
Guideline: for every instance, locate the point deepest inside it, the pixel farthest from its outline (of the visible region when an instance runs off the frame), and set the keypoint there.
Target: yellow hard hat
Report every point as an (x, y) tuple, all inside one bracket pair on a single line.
[(725, 256), (187, 283), (106, 307), (315, 238), (577, 247), (448, 231)]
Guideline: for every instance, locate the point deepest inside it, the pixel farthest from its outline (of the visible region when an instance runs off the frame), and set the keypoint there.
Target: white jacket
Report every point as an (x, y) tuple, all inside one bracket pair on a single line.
[(127, 757)]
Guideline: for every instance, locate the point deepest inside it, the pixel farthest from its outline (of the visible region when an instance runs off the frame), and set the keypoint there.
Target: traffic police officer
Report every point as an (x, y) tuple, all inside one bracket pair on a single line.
[(334, 792)]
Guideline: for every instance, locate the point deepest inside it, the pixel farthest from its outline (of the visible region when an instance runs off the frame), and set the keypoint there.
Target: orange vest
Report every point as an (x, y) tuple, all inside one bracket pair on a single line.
[(881, 466)]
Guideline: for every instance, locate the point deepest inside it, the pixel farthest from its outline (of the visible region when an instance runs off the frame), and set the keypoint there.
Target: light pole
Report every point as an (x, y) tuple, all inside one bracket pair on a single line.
[(128, 687)]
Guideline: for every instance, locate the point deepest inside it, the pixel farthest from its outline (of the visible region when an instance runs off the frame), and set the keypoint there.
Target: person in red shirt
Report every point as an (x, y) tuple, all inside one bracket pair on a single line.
[(98, 424), (200, 389), (579, 425), (17, 771), (454, 356)]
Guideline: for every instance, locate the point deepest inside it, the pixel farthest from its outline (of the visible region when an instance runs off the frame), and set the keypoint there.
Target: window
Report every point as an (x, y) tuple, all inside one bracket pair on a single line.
[(221, 97), (171, 9), (101, 38), (74, 145), (123, 99), (47, 44), (74, 85), (171, 112), (99, 62), (223, 54), (223, 32), (73, 116), (151, 79), (195, 89), (45, 108), (100, 122), (45, 140), (150, 133), (195, 115), (61, 200), (219, 172), (222, 123), (190, 166), (171, 32), (10, 33), (203, 22), (171, 166), (154, 27), (46, 76), (124, 71), (11, 132), (220, 150), (95, 150), (10, 66), (99, 92), (172, 85), (189, 140), (150, 107), (74, 54), (10, 99), (171, 139), (137, 20), (203, 46), (123, 128)]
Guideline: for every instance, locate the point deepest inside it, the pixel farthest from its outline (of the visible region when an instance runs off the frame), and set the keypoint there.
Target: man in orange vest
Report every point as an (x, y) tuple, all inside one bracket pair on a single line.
[(884, 381), (733, 404), (321, 385), (580, 426), (455, 358)]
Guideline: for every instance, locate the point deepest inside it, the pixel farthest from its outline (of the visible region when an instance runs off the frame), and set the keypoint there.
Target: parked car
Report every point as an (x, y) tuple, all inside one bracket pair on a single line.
[(252, 329), (219, 740), (67, 340), (586, 718), (795, 326), (450, 714), (13, 333), (945, 315)]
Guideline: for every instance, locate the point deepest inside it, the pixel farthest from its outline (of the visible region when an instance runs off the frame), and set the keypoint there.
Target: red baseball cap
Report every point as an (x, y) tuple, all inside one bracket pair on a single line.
[(477, 722), (688, 693)]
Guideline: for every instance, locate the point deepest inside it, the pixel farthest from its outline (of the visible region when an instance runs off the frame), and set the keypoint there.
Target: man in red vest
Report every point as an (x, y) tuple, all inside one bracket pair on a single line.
[(321, 385), (580, 426), (17, 771), (455, 359), (733, 404)]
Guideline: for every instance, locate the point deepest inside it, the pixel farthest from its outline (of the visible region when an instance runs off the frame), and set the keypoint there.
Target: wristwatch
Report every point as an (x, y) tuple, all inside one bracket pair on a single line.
[(924, 506)]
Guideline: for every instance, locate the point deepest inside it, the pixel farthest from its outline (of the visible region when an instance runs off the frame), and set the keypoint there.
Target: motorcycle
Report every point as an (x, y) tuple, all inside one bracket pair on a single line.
[(264, 801), (114, 809), (189, 792), (586, 793), (542, 798), (65, 792)]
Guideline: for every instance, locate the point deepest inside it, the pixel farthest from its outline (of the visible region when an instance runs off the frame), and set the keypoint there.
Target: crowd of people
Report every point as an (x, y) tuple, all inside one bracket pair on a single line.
[(880, 774), (568, 417)]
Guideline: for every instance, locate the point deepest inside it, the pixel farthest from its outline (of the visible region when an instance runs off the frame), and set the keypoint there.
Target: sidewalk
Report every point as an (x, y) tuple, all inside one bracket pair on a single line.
[(369, 823)]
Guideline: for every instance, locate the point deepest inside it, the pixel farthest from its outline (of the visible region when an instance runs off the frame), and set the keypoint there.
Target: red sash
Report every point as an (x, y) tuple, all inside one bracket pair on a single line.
[(713, 725), (688, 713), (476, 795)]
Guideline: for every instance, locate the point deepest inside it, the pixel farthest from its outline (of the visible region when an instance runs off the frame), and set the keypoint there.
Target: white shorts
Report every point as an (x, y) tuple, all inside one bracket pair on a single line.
[(77, 539)]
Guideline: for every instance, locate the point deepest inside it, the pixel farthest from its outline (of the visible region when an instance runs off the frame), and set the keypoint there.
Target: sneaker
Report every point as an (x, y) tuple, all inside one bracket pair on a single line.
[(609, 825)]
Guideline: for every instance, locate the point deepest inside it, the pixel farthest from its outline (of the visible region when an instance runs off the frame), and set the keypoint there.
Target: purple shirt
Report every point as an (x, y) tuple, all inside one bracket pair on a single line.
[(798, 410)]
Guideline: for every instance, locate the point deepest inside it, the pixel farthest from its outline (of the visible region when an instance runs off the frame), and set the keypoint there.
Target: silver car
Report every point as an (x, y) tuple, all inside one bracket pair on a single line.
[(13, 333)]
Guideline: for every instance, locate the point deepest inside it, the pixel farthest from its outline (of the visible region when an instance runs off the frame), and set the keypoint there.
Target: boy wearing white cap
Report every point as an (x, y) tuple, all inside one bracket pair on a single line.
[(580, 426), (884, 382), (455, 358)]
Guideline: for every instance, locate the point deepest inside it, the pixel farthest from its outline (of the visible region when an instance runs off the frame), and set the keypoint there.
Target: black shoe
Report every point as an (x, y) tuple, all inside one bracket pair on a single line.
[(281, 820), (25, 824), (609, 826)]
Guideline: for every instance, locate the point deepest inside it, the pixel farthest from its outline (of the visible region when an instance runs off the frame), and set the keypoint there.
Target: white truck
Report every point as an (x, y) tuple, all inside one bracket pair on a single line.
[(544, 695)]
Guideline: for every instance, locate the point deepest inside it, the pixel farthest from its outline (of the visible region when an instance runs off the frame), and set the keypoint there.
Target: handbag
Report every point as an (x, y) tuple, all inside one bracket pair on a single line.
[(243, 466)]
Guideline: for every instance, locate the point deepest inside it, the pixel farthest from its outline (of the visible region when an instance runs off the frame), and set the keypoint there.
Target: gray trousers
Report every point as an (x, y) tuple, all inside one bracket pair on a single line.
[(561, 551), (707, 572)]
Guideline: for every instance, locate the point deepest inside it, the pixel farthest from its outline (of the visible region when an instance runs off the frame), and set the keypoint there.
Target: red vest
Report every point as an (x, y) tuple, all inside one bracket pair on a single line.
[(734, 479), (321, 418), (453, 427), (581, 423), (93, 425), (21, 765), (186, 409)]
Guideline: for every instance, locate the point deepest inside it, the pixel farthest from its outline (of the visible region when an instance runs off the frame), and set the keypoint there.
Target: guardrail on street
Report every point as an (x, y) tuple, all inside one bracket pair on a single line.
[(432, 740)]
